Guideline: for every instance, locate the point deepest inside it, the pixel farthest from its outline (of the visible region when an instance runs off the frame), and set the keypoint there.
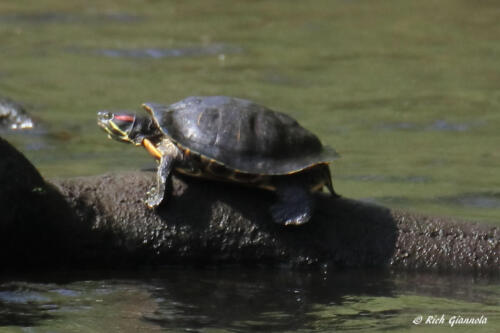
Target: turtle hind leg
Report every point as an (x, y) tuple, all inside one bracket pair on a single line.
[(157, 193), (295, 205)]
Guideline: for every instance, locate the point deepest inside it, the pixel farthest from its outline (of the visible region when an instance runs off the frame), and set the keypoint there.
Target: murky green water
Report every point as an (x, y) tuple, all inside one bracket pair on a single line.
[(408, 93), (247, 300)]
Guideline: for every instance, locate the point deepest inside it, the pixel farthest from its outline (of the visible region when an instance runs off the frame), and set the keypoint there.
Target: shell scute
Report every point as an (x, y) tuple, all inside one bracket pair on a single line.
[(241, 135)]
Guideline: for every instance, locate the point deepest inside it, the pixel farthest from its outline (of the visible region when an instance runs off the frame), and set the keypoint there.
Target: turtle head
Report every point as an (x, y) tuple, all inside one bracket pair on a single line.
[(126, 127)]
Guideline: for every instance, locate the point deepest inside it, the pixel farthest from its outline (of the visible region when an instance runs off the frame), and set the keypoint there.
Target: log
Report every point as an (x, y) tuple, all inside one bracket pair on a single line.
[(102, 221)]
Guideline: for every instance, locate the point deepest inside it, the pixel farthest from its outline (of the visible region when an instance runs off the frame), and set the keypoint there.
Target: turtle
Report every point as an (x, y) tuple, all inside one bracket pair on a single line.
[(234, 140)]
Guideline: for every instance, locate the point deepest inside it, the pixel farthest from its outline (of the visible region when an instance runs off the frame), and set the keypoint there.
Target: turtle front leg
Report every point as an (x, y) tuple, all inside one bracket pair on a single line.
[(157, 193)]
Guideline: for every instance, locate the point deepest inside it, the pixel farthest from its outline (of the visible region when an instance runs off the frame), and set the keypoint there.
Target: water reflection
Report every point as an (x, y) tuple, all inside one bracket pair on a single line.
[(240, 299), (258, 300)]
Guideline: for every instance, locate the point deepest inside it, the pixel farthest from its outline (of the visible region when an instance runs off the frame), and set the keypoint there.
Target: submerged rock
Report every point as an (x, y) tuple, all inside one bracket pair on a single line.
[(102, 221), (13, 116)]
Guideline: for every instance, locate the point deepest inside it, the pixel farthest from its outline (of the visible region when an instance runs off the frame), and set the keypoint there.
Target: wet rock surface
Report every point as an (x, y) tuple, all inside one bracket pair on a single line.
[(102, 221), (13, 115), (437, 243), (207, 222)]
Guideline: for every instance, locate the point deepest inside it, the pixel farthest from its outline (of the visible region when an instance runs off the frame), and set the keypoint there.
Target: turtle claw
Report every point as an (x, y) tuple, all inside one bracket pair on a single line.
[(153, 199), (153, 202)]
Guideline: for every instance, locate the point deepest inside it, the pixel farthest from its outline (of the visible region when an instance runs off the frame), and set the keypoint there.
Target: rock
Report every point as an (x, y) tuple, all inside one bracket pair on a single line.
[(102, 221), (210, 222), (443, 244), (13, 115), (36, 223)]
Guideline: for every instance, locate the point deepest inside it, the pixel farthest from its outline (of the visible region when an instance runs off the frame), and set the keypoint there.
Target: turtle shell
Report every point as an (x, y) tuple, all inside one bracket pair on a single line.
[(240, 134)]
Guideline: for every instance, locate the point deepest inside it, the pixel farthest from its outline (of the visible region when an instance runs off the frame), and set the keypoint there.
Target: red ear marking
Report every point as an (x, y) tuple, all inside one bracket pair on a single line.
[(124, 117)]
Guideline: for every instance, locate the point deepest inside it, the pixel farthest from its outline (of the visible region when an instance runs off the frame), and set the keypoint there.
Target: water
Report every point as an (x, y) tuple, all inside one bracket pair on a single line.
[(225, 299), (406, 92)]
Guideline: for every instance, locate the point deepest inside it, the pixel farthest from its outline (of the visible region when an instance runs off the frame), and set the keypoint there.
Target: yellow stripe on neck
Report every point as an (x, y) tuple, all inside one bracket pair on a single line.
[(150, 147)]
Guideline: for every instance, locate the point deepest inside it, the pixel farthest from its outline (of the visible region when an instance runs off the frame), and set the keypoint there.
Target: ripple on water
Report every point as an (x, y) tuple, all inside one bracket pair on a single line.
[(439, 125), (59, 17), (474, 200), (388, 178), (484, 200), (157, 53), (23, 297), (67, 292)]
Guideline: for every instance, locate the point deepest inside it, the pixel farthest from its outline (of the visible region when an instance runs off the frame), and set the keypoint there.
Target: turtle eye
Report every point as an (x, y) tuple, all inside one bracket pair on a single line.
[(104, 115), (118, 125)]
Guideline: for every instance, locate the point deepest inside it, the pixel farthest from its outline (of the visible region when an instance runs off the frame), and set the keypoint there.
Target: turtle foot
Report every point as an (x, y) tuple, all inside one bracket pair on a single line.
[(295, 206), (288, 215), (154, 198)]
